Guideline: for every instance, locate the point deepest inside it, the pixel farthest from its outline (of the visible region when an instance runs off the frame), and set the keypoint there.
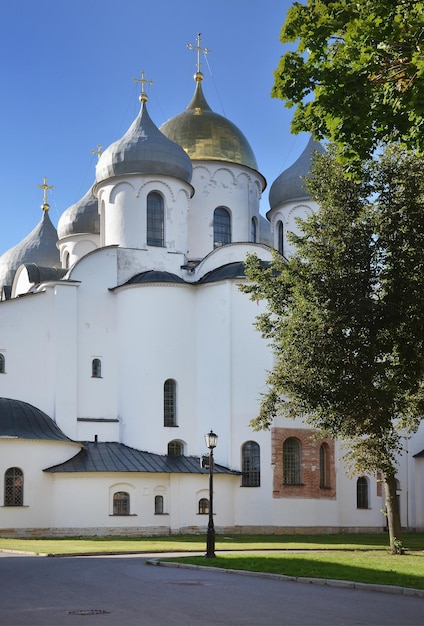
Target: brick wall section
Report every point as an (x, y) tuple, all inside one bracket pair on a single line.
[(310, 471)]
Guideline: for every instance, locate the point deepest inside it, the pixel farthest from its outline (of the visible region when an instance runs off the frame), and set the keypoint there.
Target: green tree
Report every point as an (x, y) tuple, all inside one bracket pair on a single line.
[(345, 315), (356, 76)]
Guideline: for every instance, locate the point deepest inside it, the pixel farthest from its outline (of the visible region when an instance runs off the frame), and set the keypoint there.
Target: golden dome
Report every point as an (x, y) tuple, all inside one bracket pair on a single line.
[(206, 135)]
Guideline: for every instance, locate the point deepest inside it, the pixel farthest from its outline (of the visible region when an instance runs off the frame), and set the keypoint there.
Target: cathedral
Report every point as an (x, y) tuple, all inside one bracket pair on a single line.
[(124, 339)]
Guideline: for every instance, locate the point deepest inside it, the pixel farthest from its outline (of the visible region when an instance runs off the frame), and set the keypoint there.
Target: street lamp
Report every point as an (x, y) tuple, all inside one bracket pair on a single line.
[(211, 441)]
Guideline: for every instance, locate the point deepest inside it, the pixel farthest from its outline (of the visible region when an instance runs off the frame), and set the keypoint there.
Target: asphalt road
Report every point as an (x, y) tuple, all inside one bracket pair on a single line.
[(124, 591)]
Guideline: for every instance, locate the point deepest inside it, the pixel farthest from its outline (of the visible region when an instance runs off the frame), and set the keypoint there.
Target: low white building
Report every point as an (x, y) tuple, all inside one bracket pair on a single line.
[(124, 338)]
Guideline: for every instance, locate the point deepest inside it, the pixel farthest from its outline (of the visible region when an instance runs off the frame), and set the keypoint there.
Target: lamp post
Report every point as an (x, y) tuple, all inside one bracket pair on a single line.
[(211, 441)]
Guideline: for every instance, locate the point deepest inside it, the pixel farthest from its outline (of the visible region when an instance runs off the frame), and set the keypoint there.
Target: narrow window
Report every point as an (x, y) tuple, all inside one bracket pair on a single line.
[(253, 230), (280, 237), (155, 220), (13, 487), (2, 364), (291, 462), (96, 368), (221, 227), (175, 448), (324, 466), (362, 493), (158, 505), (66, 260), (170, 403), (121, 503), (203, 506), (251, 464)]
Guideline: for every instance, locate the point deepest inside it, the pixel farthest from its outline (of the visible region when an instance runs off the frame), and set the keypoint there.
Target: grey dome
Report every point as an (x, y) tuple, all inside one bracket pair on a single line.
[(290, 184), (144, 150), (80, 218), (24, 421), (38, 247)]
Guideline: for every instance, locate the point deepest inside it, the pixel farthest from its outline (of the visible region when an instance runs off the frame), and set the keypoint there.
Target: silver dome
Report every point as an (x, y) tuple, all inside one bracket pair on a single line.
[(144, 150), (290, 184), (80, 218)]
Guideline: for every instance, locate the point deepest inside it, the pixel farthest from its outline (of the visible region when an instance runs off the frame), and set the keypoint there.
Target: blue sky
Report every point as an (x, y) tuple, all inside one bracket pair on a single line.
[(67, 70)]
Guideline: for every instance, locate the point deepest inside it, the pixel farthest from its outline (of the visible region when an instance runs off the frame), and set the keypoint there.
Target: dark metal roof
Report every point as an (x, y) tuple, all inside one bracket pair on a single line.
[(117, 457), (419, 455), (24, 421), (38, 274), (225, 272), (154, 276)]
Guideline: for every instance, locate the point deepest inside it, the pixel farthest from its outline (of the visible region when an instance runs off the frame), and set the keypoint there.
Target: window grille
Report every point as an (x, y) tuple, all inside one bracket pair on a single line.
[(324, 466), (362, 493), (221, 227), (169, 403), (2, 364), (155, 220), (13, 487), (158, 505), (203, 506), (96, 368), (121, 503), (175, 448), (291, 462), (251, 465)]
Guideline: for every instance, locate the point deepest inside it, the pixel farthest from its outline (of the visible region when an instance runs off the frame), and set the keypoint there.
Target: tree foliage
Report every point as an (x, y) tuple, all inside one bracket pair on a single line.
[(345, 314), (356, 76)]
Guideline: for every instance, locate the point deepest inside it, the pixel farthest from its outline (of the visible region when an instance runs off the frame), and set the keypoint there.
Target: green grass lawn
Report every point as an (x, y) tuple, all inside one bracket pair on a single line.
[(358, 557)]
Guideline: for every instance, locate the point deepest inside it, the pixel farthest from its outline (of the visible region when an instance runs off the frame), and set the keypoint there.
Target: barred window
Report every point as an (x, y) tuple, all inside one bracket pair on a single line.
[(155, 220), (221, 227), (158, 505), (175, 448), (121, 503), (203, 506), (362, 493), (96, 368), (170, 403), (251, 464), (13, 487), (2, 364), (291, 461), (324, 466)]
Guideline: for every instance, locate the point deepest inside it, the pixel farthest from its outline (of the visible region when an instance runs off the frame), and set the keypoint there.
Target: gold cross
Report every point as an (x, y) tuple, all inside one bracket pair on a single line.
[(199, 50), (143, 81), (45, 186), (99, 151)]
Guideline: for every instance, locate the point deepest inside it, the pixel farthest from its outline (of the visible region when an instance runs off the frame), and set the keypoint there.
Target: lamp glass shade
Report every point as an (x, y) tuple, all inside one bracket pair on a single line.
[(211, 440)]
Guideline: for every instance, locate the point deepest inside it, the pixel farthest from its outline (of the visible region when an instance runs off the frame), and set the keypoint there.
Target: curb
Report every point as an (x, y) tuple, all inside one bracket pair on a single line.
[(346, 584)]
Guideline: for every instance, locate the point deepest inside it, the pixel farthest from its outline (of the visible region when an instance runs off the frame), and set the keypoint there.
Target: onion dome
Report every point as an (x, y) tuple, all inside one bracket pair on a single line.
[(38, 247), (80, 218), (290, 184), (144, 150), (24, 421), (206, 135)]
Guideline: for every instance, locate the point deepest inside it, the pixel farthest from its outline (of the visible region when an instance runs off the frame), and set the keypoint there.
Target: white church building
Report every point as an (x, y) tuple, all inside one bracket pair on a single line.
[(124, 339)]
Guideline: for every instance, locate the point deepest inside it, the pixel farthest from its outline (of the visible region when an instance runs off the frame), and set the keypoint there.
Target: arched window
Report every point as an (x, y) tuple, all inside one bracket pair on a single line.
[(280, 237), (13, 487), (362, 493), (253, 230), (203, 506), (121, 503), (66, 260), (291, 461), (221, 227), (96, 368), (175, 448), (251, 464), (158, 505), (155, 220), (2, 364), (170, 403), (324, 466)]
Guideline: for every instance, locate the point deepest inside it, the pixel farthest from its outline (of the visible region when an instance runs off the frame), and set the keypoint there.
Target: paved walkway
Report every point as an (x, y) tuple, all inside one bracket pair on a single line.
[(125, 591)]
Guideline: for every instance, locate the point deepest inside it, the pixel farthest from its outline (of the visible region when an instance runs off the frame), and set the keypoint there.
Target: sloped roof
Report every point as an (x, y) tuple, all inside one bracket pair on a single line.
[(117, 457), (21, 420)]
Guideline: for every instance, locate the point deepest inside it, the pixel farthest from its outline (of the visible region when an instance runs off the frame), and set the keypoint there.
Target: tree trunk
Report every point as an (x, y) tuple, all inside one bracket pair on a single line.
[(393, 514)]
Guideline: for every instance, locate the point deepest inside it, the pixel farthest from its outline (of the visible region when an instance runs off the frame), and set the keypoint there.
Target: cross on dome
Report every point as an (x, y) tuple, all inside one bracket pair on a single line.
[(190, 46), (143, 96), (99, 151), (45, 206)]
